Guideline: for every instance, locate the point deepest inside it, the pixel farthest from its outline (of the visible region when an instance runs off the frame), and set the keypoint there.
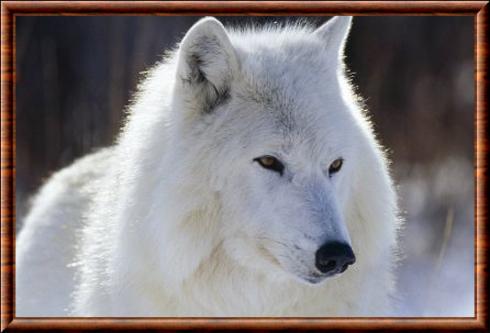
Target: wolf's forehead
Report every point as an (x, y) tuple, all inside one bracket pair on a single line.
[(289, 88), (288, 62), (289, 114), (290, 68), (286, 81)]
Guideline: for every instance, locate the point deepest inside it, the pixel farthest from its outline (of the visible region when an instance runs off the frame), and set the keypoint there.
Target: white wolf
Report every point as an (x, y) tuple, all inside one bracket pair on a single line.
[(245, 182)]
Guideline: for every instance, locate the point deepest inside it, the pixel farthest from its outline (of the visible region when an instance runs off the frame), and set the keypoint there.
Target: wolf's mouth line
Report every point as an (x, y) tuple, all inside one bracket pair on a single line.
[(312, 276), (269, 255)]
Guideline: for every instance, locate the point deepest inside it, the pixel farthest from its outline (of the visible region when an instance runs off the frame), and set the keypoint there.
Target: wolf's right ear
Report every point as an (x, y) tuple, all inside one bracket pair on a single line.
[(207, 62)]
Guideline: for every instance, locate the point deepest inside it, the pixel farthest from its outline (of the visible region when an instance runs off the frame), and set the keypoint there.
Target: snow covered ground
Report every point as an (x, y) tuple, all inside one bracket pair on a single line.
[(436, 272)]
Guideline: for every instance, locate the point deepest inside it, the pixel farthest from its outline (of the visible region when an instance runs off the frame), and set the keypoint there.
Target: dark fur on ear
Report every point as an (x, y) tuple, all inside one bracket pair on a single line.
[(207, 63)]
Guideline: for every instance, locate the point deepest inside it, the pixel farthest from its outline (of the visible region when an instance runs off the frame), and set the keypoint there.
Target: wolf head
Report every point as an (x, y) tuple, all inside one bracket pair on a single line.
[(274, 134)]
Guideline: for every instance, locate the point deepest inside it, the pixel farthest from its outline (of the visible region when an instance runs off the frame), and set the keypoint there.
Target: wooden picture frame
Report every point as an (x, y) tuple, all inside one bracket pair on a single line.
[(11, 9)]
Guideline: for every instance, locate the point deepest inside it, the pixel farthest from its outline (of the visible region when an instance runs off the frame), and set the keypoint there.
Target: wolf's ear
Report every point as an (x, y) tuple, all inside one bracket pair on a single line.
[(335, 33), (207, 63)]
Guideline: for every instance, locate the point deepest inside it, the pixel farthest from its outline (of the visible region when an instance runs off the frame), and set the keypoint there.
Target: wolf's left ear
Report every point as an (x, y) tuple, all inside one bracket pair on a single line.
[(207, 63), (334, 33)]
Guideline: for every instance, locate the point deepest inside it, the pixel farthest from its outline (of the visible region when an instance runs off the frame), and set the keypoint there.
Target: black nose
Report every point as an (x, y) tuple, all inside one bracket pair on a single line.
[(334, 257)]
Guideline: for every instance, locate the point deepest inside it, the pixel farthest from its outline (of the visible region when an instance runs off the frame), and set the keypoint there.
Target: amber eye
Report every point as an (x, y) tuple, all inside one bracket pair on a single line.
[(335, 166), (270, 163)]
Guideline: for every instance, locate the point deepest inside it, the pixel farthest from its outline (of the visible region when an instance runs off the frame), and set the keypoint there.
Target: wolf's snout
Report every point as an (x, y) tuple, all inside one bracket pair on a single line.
[(334, 257)]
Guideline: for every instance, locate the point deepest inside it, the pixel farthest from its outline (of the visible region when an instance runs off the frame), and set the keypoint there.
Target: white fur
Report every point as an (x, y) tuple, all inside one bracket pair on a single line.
[(176, 219)]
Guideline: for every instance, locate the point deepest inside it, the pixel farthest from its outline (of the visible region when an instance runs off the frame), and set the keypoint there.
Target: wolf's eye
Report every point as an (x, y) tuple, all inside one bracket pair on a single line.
[(270, 163), (335, 166)]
